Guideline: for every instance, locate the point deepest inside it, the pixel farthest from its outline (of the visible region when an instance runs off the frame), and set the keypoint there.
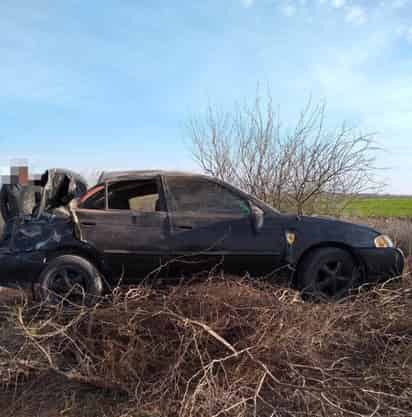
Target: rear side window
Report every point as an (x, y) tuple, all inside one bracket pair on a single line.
[(203, 196), (141, 195)]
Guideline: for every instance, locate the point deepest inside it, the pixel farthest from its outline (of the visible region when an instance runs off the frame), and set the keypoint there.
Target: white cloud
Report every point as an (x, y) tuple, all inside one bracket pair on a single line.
[(338, 3), (400, 31), (398, 4), (408, 35), (380, 101), (288, 10), (404, 32), (355, 14), (248, 3)]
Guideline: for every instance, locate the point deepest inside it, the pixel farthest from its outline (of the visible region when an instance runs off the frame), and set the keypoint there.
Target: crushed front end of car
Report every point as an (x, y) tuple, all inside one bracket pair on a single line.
[(28, 239)]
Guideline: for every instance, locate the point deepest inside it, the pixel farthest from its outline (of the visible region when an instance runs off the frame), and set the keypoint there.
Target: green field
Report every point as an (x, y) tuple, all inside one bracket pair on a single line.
[(380, 207)]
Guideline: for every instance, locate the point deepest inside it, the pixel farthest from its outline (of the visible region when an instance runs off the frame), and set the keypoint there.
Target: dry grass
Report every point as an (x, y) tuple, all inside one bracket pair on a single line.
[(220, 348)]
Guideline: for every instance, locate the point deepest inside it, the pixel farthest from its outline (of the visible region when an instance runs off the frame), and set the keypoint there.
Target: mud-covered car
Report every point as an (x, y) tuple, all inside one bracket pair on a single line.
[(136, 225)]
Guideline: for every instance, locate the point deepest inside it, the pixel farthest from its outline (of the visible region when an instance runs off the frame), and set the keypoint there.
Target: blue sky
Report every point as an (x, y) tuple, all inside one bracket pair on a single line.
[(111, 84)]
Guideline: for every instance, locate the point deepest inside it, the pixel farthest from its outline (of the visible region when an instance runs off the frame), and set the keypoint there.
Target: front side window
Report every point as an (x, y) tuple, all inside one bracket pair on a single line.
[(203, 196)]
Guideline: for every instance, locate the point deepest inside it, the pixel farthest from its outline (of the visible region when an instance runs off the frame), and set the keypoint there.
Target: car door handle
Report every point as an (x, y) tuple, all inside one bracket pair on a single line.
[(88, 223), (184, 226)]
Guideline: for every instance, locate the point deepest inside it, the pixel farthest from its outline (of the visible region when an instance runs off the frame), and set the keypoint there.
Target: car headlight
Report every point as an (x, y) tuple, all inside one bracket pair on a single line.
[(383, 241)]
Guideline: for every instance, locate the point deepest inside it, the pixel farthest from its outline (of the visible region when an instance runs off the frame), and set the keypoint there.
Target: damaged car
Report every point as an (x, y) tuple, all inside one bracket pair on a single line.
[(135, 225)]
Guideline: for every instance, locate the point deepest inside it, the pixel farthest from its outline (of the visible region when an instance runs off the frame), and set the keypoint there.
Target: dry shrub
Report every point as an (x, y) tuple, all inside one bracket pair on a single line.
[(225, 347)]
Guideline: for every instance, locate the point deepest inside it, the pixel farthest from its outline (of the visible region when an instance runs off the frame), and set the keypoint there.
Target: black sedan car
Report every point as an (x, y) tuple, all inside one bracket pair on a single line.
[(136, 225)]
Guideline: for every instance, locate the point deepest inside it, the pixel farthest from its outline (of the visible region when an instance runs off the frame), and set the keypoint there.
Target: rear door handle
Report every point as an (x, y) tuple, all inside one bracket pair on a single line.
[(88, 223), (185, 226)]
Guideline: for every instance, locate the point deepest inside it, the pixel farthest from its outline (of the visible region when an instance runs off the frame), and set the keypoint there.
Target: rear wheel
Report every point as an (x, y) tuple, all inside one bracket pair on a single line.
[(71, 279), (328, 273)]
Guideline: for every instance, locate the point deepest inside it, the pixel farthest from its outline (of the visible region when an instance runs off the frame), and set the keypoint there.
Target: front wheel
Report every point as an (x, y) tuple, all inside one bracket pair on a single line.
[(71, 279), (328, 273)]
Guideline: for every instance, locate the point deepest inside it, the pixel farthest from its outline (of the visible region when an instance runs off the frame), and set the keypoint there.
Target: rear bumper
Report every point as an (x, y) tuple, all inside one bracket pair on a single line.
[(381, 264)]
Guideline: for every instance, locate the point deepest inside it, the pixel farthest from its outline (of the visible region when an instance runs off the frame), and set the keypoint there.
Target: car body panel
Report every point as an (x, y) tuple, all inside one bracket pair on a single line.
[(313, 231), (228, 240), (129, 244)]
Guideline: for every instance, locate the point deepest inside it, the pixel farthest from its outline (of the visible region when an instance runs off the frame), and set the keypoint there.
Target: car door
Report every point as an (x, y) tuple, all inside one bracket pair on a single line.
[(130, 230), (212, 225)]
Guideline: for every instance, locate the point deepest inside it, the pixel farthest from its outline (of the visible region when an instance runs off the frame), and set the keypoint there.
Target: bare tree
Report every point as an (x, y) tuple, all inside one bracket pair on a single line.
[(305, 169)]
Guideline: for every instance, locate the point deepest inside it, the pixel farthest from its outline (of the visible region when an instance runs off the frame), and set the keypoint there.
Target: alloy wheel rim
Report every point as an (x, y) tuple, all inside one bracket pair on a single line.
[(68, 283), (333, 279)]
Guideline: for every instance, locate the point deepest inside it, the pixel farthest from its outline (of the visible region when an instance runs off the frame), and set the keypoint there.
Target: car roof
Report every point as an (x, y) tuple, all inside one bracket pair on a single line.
[(121, 175), (129, 175)]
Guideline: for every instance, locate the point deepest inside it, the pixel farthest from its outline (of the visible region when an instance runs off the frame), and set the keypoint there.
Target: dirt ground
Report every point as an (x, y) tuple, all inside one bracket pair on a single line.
[(224, 344)]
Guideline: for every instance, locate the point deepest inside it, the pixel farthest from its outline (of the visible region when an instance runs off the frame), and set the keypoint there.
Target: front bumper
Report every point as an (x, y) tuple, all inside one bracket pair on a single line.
[(381, 264), (20, 269)]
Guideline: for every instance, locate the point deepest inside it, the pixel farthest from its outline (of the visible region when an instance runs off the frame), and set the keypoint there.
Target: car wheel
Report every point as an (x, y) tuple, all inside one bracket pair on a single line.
[(4, 209), (71, 279), (328, 273)]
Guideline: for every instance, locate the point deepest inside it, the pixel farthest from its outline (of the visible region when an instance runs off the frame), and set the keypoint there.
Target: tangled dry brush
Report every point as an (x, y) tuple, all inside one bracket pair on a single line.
[(219, 348)]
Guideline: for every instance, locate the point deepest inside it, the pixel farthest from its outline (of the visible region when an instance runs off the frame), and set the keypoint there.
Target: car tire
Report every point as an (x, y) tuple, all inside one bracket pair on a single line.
[(328, 274), (71, 279), (2, 224), (4, 209)]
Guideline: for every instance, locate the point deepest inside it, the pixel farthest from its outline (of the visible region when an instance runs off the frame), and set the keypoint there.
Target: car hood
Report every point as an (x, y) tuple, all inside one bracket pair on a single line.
[(329, 221)]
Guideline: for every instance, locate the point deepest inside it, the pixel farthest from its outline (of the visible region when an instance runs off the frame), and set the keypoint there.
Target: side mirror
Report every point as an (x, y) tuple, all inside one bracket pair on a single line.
[(258, 217)]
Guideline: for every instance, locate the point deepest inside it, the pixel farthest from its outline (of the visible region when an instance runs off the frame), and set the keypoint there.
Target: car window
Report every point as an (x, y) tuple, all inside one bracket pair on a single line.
[(203, 196), (141, 195), (94, 199)]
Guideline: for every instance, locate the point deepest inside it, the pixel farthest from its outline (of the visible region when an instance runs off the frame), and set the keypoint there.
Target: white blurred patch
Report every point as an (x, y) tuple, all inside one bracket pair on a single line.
[(248, 3), (356, 14), (398, 4), (288, 10), (338, 3)]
